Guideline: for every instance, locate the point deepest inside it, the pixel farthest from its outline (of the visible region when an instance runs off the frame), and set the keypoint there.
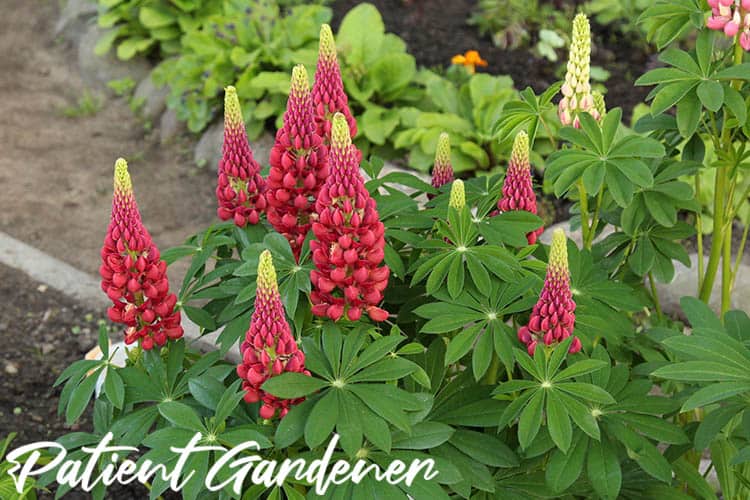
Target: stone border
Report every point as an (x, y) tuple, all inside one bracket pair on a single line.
[(85, 288)]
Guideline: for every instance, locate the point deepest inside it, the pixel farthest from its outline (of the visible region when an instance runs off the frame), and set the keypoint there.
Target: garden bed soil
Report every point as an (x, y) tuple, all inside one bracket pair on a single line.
[(434, 30), (56, 172)]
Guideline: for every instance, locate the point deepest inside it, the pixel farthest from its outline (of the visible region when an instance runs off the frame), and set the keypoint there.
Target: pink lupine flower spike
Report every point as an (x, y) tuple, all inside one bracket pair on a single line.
[(133, 275), (269, 348)]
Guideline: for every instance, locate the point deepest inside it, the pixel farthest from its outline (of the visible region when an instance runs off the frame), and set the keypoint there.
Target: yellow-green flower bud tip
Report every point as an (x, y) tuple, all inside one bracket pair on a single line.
[(340, 138), (458, 195), (300, 83), (123, 184), (443, 151), (520, 153), (232, 112), (266, 281), (327, 47), (599, 105), (558, 254)]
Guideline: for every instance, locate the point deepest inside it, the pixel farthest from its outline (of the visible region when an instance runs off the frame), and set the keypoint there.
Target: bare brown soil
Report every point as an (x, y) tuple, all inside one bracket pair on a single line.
[(56, 172)]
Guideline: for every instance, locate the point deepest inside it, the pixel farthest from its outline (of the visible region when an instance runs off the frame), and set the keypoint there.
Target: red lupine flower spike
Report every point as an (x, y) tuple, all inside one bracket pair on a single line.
[(350, 243), (518, 189), (133, 275), (442, 172), (269, 348), (299, 166), (240, 187), (328, 93), (553, 317)]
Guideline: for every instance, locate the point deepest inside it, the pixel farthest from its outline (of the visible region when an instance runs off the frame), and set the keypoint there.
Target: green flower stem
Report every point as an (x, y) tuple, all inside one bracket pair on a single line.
[(726, 272), (584, 204), (549, 133), (717, 239), (655, 295), (699, 227), (595, 220), (492, 371), (740, 251)]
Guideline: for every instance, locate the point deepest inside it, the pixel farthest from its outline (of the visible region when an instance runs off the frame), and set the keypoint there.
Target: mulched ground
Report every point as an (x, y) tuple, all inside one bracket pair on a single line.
[(434, 30)]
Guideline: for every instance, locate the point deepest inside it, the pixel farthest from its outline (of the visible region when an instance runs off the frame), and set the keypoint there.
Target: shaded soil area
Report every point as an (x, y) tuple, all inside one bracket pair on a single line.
[(42, 332), (56, 172), (434, 30)]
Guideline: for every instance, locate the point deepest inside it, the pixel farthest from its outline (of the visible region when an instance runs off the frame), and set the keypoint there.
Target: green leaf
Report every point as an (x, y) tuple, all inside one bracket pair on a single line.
[(424, 435), (531, 419), (322, 419), (588, 392), (701, 371), (484, 448), (461, 344), (653, 427), (603, 469), (558, 422), (181, 415), (385, 370), (385, 400), (580, 368), (563, 469), (713, 393), (711, 94), (200, 317), (293, 385), (114, 388), (292, 426), (80, 397)]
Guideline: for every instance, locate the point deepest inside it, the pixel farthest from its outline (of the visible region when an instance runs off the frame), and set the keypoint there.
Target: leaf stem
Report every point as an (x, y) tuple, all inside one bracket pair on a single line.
[(584, 204), (655, 296), (699, 227)]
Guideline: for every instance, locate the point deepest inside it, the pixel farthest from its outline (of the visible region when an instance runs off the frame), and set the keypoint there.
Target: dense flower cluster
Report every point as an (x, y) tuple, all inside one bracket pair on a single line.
[(269, 348), (240, 187), (576, 89), (731, 17), (328, 93), (553, 317), (133, 275), (442, 172), (299, 166), (518, 189), (350, 242)]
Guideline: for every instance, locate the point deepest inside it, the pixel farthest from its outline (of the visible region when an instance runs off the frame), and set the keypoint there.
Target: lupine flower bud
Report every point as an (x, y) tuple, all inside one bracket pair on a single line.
[(518, 189), (240, 187), (349, 246), (133, 275), (553, 317), (299, 166), (328, 93), (731, 17), (457, 198), (269, 348), (442, 172), (599, 104), (576, 89)]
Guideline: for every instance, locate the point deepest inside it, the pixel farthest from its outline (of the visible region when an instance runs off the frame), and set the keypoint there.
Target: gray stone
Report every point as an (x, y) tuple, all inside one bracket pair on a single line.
[(150, 100), (685, 282), (170, 126), (97, 71), (208, 150), (74, 17)]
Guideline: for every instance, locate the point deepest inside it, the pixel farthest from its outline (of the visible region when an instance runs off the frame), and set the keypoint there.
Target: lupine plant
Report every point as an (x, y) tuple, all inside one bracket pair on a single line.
[(430, 320)]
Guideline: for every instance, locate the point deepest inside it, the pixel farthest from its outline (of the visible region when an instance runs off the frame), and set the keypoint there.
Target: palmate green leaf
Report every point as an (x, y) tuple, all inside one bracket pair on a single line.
[(292, 426), (424, 435), (588, 392), (484, 448), (322, 419), (462, 343), (670, 94), (80, 396), (580, 368), (372, 353), (724, 349), (711, 94), (385, 370), (181, 415), (653, 427), (293, 385), (386, 401), (641, 451), (482, 354)]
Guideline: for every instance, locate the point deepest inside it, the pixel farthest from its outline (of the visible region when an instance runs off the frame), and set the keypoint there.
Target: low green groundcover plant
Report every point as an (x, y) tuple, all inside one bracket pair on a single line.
[(402, 320)]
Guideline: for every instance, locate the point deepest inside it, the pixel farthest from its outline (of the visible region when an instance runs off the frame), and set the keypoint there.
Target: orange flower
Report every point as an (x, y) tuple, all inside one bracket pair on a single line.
[(471, 59)]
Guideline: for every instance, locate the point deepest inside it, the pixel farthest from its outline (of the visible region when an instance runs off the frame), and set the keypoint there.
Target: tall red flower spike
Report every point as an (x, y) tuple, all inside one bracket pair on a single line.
[(240, 187), (269, 348), (350, 244), (553, 317), (133, 275), (299, 166), (442, 171), (328, 93), (518, 189)]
